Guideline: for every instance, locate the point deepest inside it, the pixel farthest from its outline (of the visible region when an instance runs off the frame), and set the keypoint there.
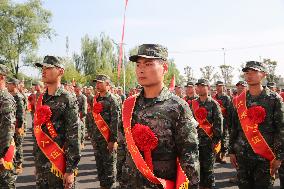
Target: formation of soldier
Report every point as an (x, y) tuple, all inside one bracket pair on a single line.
[(155, 138)]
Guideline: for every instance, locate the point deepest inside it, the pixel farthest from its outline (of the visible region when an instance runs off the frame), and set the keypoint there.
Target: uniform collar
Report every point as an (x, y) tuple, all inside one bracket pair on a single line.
[(164, 95), (58, 92)]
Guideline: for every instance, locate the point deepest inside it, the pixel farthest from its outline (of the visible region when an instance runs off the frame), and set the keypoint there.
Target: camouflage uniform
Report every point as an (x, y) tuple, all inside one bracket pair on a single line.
[(7, 124), (253, 170), (106, 161), (170, 118), (227, 104), (66, 122), (82, 101), (89, 118), (206, 151)]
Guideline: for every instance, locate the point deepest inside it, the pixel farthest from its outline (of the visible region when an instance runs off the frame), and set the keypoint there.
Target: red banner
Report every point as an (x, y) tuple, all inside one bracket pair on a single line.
[(250, 129), (53, 152), (172, 83), (8, 158), (181, 182)]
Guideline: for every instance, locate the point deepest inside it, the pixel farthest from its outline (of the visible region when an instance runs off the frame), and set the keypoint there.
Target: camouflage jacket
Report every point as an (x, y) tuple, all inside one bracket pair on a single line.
[(7, 120), (227, 104), (83, 105), (215, 118), (272, 129), (66, 122), (189, 99), (111, 114), (170, 118), (21, 110)]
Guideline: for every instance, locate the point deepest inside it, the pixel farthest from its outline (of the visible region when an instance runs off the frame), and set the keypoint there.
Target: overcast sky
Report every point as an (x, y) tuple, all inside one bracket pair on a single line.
[(194, 31)]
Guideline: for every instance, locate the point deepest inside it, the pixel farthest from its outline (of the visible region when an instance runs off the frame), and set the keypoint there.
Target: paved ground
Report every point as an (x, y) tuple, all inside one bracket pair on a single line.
[(87, 178)]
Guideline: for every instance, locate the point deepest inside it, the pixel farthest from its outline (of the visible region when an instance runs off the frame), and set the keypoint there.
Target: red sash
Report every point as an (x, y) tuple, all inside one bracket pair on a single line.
[(223, 109), (101, 124), (250, 129), (205, 125), (8, 158), (181, 182), (53, 152)]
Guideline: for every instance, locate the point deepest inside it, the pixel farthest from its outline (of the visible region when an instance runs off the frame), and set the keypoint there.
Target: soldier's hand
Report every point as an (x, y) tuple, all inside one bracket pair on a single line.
[(233, 160), (68, 180), (112, 146), (20, 131), (275, 166)]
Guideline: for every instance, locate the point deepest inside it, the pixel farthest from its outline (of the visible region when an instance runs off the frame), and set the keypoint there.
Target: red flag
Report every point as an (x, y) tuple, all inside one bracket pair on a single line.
[(121, 43), (172, 83)]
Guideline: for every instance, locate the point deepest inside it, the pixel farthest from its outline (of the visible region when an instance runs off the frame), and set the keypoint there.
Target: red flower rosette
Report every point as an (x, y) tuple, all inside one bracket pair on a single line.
[(98, 107), (43, 115), (189, 102), (201, 113), (146, 141), (257, 114)]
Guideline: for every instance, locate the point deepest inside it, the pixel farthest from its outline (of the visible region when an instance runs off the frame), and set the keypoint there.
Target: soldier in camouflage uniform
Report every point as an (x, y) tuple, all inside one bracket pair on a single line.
[(190, 93), (66, 121), (168, 116), (83, 105), (7, 124), (271, 86), (241, 86), (106, 153), (206, 143), (120, 93), (179, 90), (225, 103), (12, 85), (89, 118), (253, 170)]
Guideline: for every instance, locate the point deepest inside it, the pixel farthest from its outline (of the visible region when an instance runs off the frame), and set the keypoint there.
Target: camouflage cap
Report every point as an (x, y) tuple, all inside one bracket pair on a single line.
[(51, 62), (154, 51), (79, 85), (271, 84), (4, 70), (221, 83), (243, 83), (202, 82), (12, 81), (38, 83), (189, 84), (254, 65), (178, 85), (102, 78)]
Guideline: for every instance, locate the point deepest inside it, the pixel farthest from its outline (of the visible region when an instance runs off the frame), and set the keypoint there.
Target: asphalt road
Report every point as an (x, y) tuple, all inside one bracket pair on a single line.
[(87, 177)]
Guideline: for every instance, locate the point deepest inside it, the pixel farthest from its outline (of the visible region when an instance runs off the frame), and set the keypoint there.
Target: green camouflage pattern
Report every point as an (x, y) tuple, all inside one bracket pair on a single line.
[(83, 105), (154, 51), (66, 122), (170, 118), (253, 169), (206, 153), (7, 124)]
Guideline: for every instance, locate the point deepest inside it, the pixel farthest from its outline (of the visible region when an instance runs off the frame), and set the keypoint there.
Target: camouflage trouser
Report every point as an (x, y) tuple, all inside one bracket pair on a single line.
[(88, 124), (7, 179), (225, 140), (120, 155), (83, 131), (254, 174), (207, 160), (106, 165), (19, 156), (281, 175)]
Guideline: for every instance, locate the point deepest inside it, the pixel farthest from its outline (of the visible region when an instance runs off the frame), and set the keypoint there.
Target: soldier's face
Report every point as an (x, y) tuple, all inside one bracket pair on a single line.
[(11, 87), (253, 77), (220, 88), (240, 89), (101, 86), (272, 89), (51, 75), (189, 90), (150, 72), (203, 90), (178, 90)]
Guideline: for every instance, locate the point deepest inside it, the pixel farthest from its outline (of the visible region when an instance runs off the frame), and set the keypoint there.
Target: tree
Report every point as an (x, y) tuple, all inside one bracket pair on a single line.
[(189, 73), (271, 69), (208, 72), (227, 74), (22, 25), (173, 71)]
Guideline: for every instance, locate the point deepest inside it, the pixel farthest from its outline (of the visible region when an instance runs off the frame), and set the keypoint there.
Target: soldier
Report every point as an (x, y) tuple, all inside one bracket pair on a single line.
[(257, 134), (83, 105), (271, 86), (190, 92), (12, 85), (89, 117), (7, 124), (38, 86), (22, 90), (209, 116), (178, 91), (241, 86), (57, 130), (167, 119), (106, 114), (120, 93), (225, 104)]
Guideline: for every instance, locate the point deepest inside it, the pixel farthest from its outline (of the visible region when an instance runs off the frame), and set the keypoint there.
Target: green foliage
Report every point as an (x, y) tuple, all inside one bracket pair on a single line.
[(22, 25), (271, 69), (227, 74)]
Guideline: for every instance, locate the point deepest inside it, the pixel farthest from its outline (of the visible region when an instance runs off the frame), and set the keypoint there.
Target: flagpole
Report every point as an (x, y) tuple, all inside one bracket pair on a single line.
[(123, 64)]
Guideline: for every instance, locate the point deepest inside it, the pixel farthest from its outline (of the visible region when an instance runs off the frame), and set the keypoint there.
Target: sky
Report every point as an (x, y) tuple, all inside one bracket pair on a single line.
[(195, 32)]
